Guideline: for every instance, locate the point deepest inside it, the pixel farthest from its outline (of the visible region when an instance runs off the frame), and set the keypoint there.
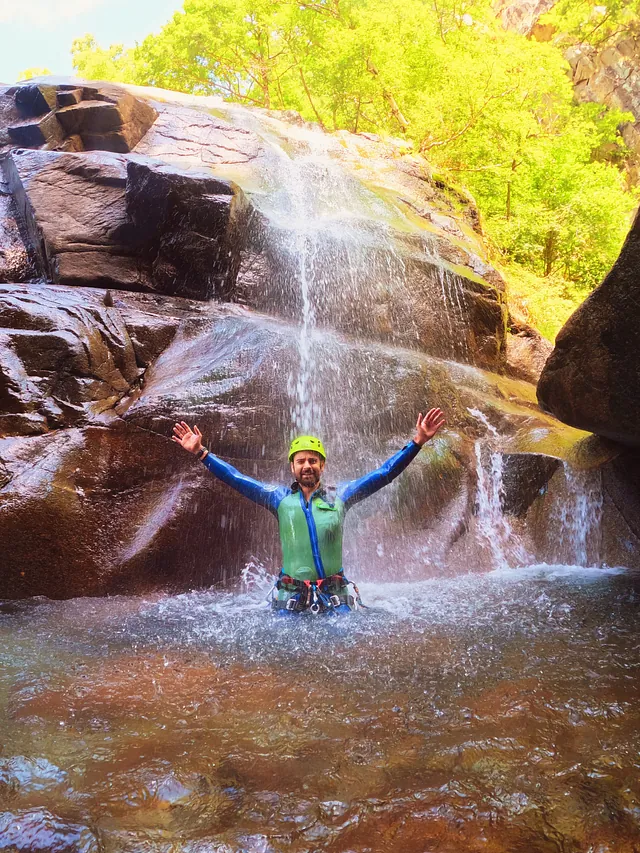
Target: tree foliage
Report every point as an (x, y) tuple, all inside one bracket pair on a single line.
[(33, 71), (582, 21), (490, 109)]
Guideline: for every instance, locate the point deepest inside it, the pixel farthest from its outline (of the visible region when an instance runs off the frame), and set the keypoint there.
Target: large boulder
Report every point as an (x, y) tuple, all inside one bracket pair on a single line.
[(592, 378), (192, 226), (106, 220), (67, 116)]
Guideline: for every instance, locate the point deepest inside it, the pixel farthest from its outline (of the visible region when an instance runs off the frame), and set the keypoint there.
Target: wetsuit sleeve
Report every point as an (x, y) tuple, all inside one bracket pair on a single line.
[(356, 490), (264, 494)]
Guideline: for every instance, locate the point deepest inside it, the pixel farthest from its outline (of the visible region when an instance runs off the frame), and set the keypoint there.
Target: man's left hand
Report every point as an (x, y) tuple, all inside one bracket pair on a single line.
[(428, 426)]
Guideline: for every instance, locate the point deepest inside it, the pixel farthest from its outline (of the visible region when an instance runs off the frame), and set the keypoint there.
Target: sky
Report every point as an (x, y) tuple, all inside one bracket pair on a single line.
[(39, 33)]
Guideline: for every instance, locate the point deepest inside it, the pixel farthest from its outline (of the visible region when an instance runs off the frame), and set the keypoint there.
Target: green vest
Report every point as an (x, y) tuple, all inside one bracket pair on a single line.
[(300, 524)]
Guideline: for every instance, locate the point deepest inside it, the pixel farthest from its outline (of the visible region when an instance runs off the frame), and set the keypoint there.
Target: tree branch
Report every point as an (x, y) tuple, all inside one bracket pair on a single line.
[(388, 96), (473, 118), (310, 99)]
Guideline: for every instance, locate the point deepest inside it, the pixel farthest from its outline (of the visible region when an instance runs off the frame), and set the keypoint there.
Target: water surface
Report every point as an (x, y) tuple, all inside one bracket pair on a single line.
[(480, 713)]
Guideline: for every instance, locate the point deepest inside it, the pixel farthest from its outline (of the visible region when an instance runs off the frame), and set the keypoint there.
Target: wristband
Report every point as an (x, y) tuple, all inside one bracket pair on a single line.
[(203, 453)]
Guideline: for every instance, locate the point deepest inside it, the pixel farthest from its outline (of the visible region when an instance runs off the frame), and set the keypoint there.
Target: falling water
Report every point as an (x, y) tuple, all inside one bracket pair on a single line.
[(580, 517), (453, 301), (339, 257), (493, 525)]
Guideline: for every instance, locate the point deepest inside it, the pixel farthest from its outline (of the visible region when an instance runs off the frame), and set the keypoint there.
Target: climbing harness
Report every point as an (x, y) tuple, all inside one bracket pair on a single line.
[(315, 596)]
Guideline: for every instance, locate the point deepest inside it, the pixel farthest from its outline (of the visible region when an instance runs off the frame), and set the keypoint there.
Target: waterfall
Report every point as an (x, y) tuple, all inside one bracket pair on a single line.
[(493, 526), (342, 258), (580, 517)]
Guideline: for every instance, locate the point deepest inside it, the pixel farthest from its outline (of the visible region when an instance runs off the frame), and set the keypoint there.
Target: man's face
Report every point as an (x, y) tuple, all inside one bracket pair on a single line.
[(307, 468)]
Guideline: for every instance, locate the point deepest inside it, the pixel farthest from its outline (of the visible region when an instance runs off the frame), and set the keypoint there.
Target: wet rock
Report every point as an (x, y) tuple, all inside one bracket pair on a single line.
[(75, 215), (375, 283), (109, 504), (621, 510), (523, 477), (63, 359), (193, 138), (40, 831), (526, 350), (193, 226), (15, 264), (106, 221), (588, 518), (34, 132), (591, 379), (29, 774)]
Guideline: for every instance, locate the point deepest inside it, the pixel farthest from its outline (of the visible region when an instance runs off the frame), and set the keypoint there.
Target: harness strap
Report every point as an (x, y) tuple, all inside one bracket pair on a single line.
[(315, 595)]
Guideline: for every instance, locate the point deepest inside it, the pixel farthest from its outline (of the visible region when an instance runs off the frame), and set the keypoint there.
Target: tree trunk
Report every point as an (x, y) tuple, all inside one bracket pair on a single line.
[(550, 251)]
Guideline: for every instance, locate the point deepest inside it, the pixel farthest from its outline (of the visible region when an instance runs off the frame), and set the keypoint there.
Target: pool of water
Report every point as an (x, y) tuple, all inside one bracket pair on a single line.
[(481, 713)]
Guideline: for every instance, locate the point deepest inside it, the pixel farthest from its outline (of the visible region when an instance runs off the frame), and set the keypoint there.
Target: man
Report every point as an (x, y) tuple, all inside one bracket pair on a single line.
[(311, 517)]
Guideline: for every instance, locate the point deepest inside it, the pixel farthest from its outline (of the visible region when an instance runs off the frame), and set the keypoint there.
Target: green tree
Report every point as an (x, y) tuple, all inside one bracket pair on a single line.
[(585, 21), (34, 71), (94, 63)]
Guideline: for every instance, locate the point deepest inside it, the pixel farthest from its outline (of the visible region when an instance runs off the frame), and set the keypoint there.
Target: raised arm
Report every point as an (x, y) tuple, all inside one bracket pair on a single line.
[(261, 493), (356, 490)]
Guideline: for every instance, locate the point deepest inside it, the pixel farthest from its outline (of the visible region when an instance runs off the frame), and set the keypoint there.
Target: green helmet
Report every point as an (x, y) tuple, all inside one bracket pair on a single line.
[(306, 442)]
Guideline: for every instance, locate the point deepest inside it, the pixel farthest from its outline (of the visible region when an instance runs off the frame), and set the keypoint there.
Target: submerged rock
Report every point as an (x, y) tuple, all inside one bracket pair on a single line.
[(29, 774), (39, 831)]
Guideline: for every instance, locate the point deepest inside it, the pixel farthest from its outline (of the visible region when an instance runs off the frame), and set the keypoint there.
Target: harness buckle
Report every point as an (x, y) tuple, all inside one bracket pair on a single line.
[(292, 603), (335, 600)]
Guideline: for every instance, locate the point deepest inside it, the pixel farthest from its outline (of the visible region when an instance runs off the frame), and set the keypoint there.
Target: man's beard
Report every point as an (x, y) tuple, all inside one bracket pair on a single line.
[(309, 478)]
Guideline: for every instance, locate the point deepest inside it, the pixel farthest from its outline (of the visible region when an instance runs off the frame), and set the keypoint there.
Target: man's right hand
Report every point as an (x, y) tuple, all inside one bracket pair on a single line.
[(190, 439)]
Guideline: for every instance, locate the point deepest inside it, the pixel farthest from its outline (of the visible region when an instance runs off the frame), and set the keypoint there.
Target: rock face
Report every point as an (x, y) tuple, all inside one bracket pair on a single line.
[(222, 266), (592, 378), (522, 16), (608, 75), (611, 77), (106, 503)]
